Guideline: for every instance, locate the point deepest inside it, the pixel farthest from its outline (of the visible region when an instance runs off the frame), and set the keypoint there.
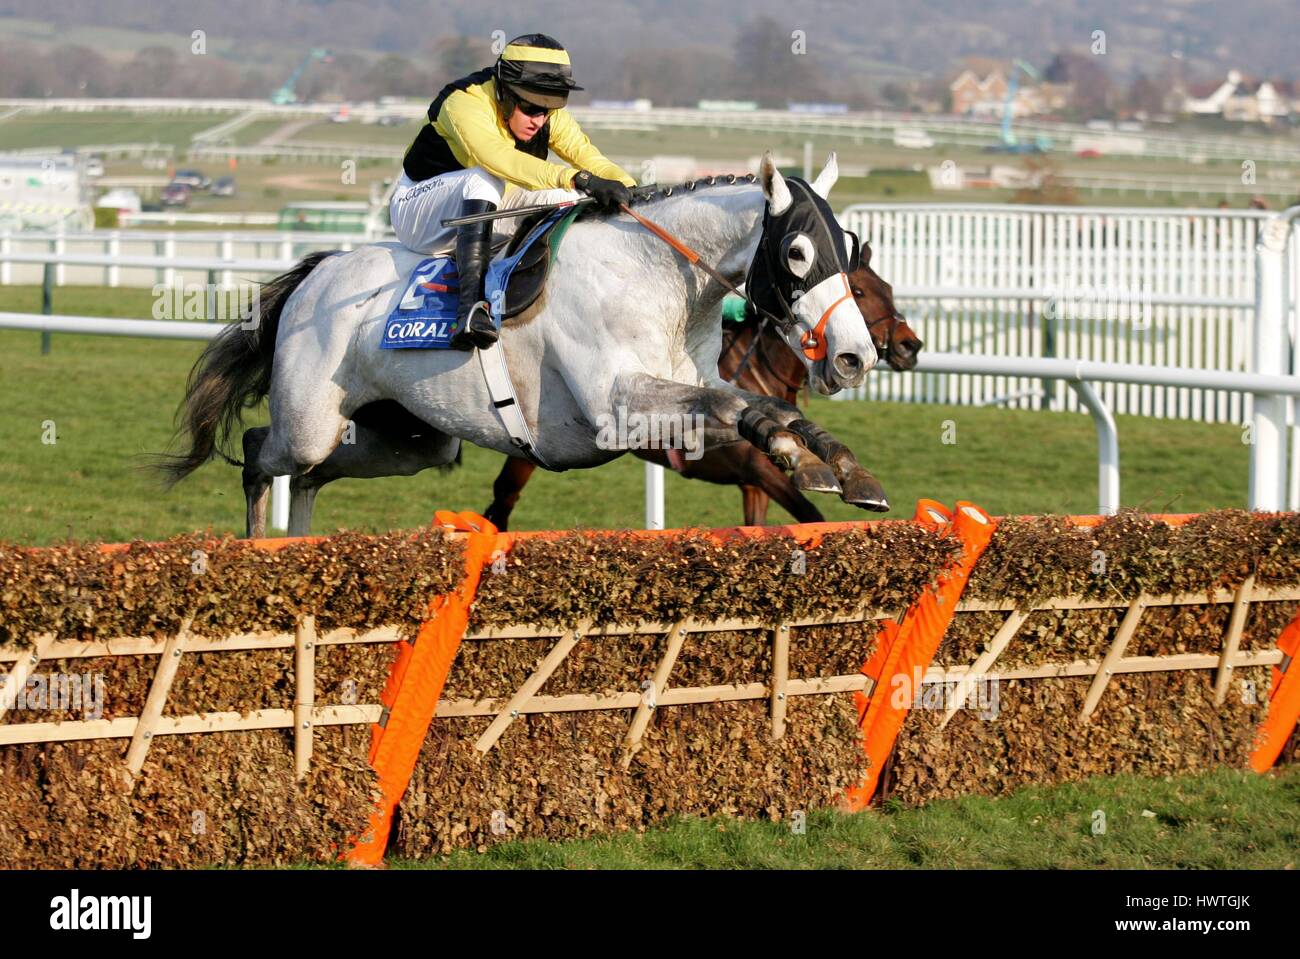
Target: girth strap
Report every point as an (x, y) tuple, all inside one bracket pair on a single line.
[(501, 388)]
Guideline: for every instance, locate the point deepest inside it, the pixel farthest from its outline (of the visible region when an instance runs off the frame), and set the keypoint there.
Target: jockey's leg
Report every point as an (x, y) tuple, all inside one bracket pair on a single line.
[(517, 197), (474, 252), (474, 327), (417, 211)]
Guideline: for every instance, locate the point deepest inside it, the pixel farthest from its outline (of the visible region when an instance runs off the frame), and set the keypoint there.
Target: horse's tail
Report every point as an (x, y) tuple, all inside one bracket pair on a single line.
[(233, 373)]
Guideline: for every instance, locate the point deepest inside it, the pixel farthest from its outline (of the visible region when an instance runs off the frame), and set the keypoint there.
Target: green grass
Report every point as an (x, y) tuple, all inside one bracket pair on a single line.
[(888, 185), (1224, 819), (885, 159), (267, 187), (253, 132), (111, 401), (367, 134), (59, 129)]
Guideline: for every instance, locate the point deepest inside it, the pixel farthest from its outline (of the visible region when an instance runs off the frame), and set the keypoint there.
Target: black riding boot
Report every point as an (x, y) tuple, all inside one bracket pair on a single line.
[(474, 327)]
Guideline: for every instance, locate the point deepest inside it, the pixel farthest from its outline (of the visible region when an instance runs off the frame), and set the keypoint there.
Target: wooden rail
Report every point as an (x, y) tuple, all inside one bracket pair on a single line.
[(305, 715)]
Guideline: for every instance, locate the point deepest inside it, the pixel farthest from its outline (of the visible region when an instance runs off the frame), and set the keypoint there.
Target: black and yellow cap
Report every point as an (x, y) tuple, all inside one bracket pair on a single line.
[(535, 68)]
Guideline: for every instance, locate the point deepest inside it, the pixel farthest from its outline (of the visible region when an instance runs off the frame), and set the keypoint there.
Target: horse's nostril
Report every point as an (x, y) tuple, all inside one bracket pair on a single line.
[(848, 366)]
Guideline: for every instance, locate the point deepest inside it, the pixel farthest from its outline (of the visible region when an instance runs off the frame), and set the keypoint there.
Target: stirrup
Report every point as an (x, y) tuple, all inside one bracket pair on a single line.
[(479, 333)]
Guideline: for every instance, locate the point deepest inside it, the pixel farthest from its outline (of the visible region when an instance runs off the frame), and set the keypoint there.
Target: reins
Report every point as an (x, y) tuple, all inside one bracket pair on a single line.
[(812, 340), (696, 261)]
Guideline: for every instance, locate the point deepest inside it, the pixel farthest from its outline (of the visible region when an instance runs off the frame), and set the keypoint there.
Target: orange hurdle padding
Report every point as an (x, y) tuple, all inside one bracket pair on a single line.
[(415, 682), (812, 533), (1283, 703), (905, 650), (932, 515)]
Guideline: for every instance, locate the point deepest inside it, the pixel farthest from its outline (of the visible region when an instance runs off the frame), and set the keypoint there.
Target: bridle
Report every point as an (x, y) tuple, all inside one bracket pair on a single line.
[(894, 318)]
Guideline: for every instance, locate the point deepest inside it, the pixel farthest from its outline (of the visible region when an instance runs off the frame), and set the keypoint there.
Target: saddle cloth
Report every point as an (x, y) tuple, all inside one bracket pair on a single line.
[(425, 316)]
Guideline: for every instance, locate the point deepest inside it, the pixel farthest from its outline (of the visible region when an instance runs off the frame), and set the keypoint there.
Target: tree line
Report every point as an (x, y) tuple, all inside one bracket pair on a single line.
[(765, 65)]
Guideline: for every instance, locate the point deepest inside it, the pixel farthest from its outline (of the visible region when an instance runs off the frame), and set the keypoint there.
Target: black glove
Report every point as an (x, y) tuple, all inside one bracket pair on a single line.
[(607, 193)]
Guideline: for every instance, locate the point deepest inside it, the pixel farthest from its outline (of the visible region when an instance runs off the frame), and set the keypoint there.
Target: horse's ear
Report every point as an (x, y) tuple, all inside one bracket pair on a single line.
[(826, 179), (774, 185)]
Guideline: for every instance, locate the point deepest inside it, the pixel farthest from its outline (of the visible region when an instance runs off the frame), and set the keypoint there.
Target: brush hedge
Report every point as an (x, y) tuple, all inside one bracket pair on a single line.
[(232, 797)]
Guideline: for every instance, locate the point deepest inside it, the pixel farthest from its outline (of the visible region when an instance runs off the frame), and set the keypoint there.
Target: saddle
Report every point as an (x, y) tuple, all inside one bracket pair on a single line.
[(516, 280), (523, 270), (425, 316)]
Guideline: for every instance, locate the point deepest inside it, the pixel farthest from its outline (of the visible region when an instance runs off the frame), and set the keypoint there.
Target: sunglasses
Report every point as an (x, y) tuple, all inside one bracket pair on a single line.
[(532, 109)]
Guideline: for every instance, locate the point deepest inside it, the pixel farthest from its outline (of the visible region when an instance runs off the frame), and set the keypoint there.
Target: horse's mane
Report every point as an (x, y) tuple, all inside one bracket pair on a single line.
[(655, 193)]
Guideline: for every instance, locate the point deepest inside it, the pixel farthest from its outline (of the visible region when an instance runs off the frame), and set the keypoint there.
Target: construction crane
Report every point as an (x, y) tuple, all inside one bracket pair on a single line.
[(1009, 143), (286, 93)]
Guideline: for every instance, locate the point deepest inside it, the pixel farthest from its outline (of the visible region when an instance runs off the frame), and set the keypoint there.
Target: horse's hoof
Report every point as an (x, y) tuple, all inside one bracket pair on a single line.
[(870, 505), (816, 478), (863, 490)]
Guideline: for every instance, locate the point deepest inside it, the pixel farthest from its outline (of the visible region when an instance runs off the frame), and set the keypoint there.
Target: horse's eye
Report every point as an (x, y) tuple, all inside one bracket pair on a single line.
[(857, 292), (799, 253)]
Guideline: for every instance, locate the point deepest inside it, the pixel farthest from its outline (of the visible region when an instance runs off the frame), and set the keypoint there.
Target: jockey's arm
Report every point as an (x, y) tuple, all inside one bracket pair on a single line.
[(477, 140), (572, 145)]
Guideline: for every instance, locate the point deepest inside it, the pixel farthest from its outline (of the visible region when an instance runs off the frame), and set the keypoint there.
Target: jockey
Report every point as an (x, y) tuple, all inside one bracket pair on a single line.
[(486, 146)]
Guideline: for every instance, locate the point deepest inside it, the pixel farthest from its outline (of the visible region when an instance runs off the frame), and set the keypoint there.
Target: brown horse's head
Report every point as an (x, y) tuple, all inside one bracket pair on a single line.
[(896, 342)]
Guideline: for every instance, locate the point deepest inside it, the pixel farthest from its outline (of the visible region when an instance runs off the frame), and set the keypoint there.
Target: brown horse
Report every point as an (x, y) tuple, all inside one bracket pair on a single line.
[(769, 368)]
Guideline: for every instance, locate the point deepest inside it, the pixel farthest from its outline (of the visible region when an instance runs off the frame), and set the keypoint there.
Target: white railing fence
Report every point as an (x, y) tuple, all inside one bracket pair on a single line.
[(23, 254), (1161, 288)]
